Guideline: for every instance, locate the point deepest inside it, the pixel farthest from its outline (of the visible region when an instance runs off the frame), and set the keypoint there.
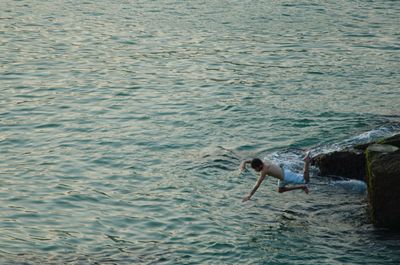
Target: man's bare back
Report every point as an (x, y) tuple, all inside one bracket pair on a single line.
[(272, 170)]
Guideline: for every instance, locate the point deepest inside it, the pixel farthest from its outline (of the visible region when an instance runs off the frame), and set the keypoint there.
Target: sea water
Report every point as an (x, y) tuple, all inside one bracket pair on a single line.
[(123, 123)]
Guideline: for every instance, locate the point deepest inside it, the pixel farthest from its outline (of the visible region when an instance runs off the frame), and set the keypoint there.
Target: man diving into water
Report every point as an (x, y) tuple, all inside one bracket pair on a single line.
[(284, 176)]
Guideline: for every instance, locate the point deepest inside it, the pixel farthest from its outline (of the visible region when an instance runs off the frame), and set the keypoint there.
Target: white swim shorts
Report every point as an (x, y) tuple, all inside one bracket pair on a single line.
[(290, 178)]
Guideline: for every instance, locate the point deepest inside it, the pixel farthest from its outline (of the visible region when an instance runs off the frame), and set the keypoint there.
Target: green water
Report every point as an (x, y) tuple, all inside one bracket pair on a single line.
[(123, 123)]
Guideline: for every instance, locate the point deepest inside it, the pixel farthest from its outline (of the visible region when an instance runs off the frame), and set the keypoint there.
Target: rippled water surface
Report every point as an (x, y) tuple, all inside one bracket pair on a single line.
[(123, 123)]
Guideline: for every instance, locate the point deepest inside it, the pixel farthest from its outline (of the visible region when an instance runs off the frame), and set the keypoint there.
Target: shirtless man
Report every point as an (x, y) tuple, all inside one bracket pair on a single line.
[(284, 176)]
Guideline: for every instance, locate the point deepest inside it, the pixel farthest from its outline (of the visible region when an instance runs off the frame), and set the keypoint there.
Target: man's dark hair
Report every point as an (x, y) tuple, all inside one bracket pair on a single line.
[(256, 163)]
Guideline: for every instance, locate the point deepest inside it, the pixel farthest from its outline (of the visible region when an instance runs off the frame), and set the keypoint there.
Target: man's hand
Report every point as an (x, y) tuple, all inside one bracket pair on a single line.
[(242, 166), (245, 199)]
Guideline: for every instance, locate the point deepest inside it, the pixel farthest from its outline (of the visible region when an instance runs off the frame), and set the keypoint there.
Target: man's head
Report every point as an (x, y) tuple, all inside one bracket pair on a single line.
[(257, 164)]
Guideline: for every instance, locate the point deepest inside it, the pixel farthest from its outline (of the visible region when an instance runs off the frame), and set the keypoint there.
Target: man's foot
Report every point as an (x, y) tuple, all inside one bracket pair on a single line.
[(307, 158), (305, 189)]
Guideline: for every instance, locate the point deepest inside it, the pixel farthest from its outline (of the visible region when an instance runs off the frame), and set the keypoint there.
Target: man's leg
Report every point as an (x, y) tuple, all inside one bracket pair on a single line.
[(285, 189), (306, 169)]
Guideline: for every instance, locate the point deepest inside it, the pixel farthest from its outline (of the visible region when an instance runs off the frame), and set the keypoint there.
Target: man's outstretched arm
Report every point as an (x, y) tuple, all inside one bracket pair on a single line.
[(258, 183)]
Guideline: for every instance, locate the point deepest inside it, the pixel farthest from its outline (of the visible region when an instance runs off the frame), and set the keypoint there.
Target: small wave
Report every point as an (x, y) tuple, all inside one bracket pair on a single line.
[(374, 134), (352, 185), (362, 138)]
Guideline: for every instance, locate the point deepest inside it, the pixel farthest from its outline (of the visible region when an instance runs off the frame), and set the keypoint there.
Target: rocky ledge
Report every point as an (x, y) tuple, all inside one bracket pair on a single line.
[(378, 164)]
